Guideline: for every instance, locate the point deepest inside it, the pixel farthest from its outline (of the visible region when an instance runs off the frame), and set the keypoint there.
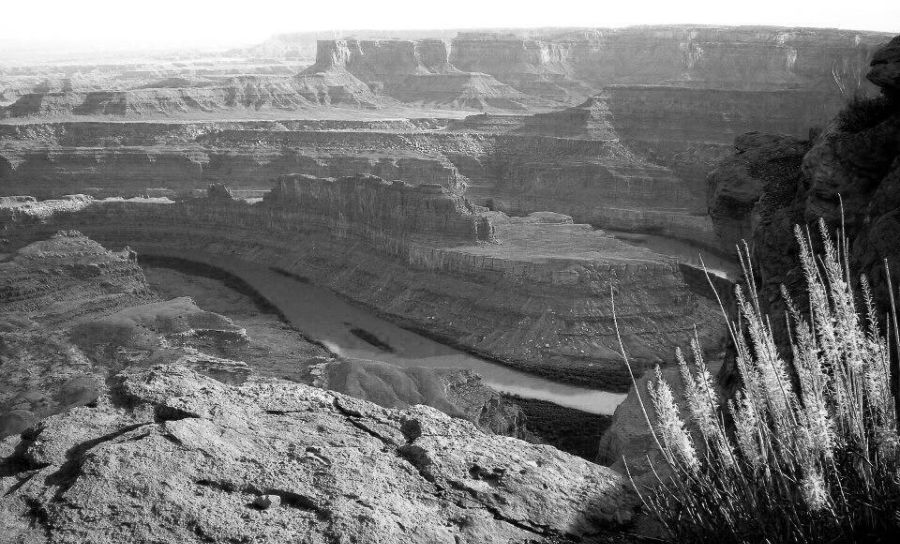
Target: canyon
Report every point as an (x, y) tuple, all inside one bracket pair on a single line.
[(615, 127), (533, 292), (373, 284)]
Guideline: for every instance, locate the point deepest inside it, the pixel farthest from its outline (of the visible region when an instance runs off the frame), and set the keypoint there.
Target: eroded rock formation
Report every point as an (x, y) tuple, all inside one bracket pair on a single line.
[(849, 175), (533, 292), (72, 314), (170, 455), (459, 393)]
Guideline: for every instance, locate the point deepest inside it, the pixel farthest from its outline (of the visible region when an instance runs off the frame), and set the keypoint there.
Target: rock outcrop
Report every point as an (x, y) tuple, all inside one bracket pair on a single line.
[(848, 175), (416, 72), (73, 313), (885, 68), (762, 164), (459, 393), (169, 455)]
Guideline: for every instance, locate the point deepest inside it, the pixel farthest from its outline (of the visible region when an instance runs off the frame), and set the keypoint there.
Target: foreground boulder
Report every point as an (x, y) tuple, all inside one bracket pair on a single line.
[(456, 392), (169, 455)]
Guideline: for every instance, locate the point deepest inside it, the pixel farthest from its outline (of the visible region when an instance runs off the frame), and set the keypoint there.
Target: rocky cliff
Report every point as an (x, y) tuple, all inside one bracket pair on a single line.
[(569, 161), (739, 58), (848, 173), (628, 124), (169, 455), (415, 72), (532, 292)]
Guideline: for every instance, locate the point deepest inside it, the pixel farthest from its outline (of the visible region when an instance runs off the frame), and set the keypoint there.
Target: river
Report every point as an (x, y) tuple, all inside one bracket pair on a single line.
[(681, 251), (350, 331)]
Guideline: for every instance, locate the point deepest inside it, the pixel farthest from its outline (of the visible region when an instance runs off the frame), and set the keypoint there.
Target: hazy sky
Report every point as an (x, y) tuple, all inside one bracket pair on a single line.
[(224, 22)]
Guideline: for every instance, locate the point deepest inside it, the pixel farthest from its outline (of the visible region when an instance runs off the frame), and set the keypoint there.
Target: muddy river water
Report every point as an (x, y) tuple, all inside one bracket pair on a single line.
[(357, 333)]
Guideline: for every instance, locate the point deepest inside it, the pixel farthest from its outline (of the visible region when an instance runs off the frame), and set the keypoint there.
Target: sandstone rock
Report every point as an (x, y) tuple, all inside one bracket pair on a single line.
[(264, 502), (74, 313), (459, 393), (763, 163), (848, 177), (191, 467), (885, 67)]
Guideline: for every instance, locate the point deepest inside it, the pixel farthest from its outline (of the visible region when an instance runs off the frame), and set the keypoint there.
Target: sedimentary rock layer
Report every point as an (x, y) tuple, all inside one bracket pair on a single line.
[(533, 292)]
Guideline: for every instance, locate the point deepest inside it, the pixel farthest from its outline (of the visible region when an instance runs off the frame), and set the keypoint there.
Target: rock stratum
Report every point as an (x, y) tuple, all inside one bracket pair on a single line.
[(615, 127), (473, 70), (533, 292)]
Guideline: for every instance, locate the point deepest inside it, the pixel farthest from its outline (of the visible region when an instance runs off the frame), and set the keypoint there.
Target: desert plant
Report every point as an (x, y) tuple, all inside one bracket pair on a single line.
[(862, 113), (810, 451)]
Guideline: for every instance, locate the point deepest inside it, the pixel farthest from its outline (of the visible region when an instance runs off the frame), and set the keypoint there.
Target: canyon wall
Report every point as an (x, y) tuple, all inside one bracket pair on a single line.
[(532, 292), (618, 128), (416, 72), (847, 175), (739, 58)]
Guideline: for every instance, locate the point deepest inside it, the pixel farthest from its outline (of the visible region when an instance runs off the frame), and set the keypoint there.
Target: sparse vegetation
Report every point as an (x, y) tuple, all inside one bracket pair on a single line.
[(809, 452), (863, 113)]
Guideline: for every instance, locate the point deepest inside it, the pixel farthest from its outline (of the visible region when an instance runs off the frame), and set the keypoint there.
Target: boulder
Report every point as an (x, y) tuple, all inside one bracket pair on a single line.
[(174, 456)]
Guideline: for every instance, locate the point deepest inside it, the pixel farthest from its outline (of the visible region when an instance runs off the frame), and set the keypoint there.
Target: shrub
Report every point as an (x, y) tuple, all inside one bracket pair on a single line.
[(864, 113), (811, 452)]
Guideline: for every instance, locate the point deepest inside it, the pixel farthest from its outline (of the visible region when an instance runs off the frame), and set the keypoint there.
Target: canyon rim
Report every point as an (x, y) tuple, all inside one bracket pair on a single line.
[(375, 286)]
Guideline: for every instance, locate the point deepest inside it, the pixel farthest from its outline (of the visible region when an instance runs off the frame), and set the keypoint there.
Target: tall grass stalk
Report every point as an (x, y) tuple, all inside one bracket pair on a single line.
[(811, 453)]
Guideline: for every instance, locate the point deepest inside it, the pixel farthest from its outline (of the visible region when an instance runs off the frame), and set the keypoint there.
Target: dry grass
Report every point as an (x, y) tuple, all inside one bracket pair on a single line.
[(811, 453)]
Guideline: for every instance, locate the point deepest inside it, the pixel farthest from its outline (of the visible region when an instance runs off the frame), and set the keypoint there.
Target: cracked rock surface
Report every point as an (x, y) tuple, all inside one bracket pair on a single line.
[(170, 455)]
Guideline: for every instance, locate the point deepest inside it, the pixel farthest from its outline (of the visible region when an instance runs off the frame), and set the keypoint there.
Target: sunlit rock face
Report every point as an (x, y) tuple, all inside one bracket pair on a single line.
[(270, 460), (417, 72), (742, 58), (459, 393), (617, 128), (533, 292)]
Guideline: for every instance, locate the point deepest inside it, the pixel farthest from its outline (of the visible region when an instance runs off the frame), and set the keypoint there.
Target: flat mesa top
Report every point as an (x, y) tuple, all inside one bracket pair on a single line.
[(520, 240)]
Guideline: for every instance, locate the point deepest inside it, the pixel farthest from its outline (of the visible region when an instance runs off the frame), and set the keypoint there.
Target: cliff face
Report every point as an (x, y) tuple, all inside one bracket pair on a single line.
[(415, 72), (369, 202), (569, 161), (372, 59), (240, 94), (762, 163), (272, 461), (740, 58), (852, 164), (113, 159), (532, 292), (629, 122)]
